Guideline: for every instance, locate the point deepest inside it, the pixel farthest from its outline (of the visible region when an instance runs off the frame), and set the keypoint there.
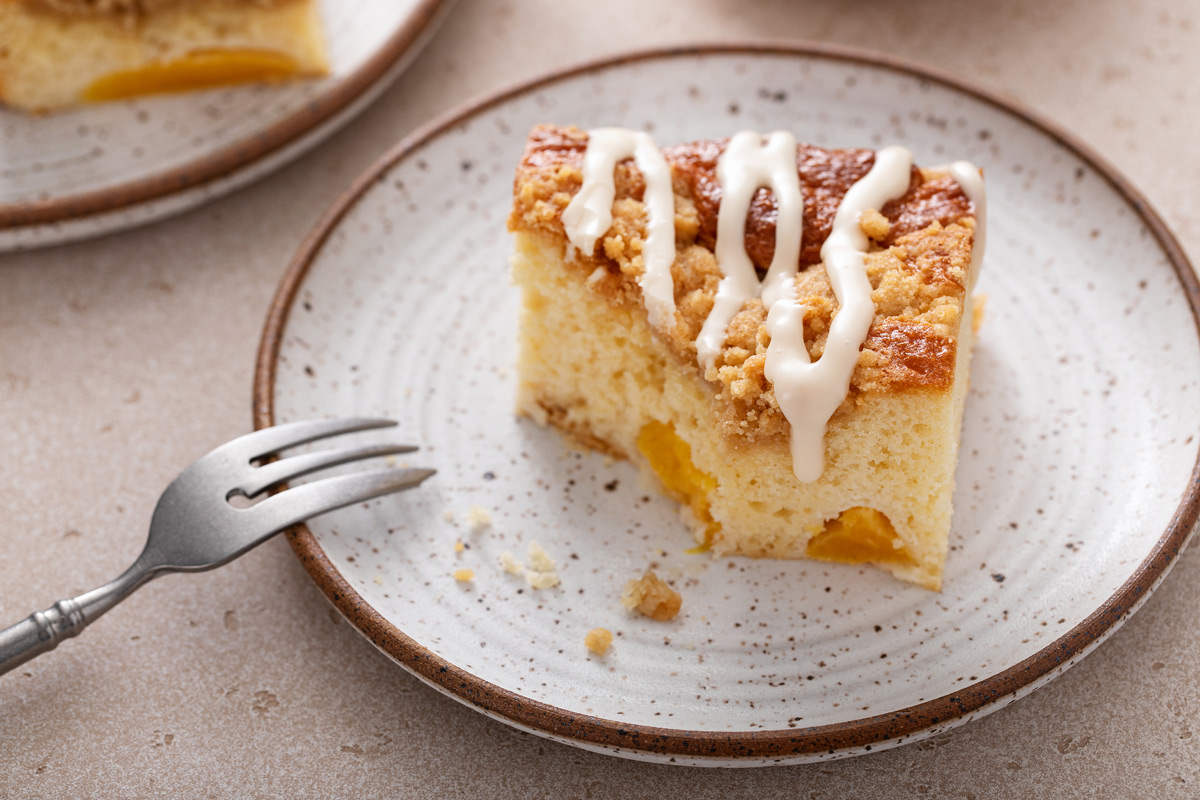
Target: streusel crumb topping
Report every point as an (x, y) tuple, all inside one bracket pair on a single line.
[(918, 264)]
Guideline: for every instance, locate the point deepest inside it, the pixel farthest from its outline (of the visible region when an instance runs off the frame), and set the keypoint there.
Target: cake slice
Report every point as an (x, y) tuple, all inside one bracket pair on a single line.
[(60, 53), (827, 429)]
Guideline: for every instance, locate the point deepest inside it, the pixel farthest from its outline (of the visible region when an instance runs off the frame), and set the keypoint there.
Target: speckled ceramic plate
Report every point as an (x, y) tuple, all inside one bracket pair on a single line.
[(1077, 485), (113, 166)]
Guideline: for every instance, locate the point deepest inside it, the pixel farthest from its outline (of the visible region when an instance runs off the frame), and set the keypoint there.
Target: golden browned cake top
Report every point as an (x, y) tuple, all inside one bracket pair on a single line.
[(921, 251)]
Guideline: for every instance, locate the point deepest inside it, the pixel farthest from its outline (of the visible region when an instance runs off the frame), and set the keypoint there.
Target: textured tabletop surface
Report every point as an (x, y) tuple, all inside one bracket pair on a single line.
[(124, 358)]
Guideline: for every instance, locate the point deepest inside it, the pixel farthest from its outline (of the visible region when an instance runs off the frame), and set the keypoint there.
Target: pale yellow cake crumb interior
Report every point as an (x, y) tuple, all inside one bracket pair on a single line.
[(596, 370)]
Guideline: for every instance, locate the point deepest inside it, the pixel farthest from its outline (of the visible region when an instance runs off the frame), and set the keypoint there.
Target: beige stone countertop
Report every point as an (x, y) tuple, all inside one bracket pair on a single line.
[(124, 358)]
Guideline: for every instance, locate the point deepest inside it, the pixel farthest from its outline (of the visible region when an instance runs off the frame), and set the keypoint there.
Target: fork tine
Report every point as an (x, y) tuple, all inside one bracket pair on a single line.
[(292, 434), (269, 476), (303, 502)]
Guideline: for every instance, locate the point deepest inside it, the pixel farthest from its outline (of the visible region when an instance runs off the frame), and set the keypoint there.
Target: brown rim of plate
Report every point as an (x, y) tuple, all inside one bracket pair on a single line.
[(880, 730), (236, 155)]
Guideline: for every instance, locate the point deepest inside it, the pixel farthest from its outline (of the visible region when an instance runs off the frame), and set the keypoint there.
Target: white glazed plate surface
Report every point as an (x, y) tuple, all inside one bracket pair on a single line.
[(87, 163), (1077, 449)]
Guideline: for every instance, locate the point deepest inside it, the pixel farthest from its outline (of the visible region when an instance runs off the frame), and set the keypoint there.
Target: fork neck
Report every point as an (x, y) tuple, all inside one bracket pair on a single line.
[(90, 605)]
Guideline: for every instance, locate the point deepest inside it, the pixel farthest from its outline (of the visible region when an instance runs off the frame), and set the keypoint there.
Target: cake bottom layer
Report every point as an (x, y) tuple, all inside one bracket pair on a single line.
[(596, 371)]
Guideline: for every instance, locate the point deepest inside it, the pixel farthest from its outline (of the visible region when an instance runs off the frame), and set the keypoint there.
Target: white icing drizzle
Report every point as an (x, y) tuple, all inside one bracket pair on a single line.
[(589, 215), (746, 166), (971, 182), (808, 393)]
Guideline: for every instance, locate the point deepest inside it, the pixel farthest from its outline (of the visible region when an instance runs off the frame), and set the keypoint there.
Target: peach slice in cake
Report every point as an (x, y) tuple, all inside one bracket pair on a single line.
[(779, 334), (60, 53)]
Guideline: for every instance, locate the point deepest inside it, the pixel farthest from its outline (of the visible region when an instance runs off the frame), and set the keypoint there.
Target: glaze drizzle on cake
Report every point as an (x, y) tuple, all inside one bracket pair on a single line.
[(589, 215), (808, 392), (745, 167), (970, 180)]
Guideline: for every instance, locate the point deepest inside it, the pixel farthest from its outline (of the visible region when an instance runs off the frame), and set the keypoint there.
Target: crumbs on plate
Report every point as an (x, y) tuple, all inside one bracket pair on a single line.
[(478, 518), (511, 564), (651, 596), (541, 573), (598, 640)]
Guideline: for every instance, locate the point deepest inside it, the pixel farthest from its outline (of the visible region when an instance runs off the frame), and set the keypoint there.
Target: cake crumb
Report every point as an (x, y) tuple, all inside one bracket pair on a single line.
[(651, 596), (478, 518), (511, 565), (541, 573), (459, 547), (874, 224), (448, 515), (378, 579), (977, 311), (542, 580), (598, 640), (539, 559), (464, 575)]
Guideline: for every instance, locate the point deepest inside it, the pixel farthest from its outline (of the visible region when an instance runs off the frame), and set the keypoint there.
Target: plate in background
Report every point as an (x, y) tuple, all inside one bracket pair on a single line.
[(1077, 483), (111, 166)]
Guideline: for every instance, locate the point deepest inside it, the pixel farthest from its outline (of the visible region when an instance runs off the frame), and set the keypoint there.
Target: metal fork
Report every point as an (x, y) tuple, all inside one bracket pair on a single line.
[(195, 527)]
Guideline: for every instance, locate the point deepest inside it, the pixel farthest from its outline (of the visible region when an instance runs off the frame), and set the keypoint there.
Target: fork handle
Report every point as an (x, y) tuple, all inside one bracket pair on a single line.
[(42, 631), (39, 633)]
